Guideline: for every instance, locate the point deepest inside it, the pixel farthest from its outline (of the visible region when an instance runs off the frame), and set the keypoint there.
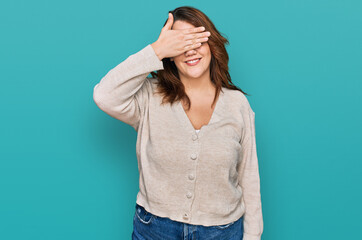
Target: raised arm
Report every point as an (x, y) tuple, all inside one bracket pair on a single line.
[(122, 92), (250, 180)]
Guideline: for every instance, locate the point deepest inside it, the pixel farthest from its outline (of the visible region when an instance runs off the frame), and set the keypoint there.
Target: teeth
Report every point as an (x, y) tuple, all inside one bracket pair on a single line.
[(193, 61)]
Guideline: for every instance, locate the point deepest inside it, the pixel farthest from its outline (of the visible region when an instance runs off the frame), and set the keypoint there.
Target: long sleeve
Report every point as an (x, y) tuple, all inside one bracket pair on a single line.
[(250, 181), (122, 92)]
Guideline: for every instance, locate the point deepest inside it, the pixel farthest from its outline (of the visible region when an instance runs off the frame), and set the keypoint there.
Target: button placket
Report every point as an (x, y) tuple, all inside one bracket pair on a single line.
[(194, 137), (192, 175)]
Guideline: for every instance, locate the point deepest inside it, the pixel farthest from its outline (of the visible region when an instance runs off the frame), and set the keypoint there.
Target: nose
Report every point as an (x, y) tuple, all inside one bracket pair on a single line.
[(190, 52)]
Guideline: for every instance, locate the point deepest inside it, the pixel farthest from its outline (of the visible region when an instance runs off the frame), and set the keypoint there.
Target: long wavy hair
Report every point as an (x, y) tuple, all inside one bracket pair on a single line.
[(169, 84)]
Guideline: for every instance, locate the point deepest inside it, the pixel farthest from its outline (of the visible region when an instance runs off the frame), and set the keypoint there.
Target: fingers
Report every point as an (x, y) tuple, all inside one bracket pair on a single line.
[(192, 46), (194, 40), (197, 40), (197, 35), (193, 30), (169, 22)]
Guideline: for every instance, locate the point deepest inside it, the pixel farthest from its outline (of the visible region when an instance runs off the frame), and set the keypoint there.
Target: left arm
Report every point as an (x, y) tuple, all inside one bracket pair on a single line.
[(249, 180)]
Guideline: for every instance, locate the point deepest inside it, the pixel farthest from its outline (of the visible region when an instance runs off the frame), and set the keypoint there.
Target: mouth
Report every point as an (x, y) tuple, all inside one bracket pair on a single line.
[(193, 62)]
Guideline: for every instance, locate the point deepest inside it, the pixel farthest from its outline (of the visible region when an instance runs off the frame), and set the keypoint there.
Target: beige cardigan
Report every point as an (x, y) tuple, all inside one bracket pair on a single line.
[(205, 178)]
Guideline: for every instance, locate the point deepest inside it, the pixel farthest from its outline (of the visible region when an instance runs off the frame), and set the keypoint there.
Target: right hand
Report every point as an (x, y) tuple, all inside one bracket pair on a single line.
[(171, 43)]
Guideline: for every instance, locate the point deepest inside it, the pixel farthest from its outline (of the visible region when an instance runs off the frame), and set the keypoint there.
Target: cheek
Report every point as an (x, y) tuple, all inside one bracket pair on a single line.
[(205, 49), (207, 60), (179, 64)]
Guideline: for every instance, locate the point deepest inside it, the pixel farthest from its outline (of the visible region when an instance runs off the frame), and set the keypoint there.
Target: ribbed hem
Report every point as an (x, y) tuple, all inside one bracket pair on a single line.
[(247, 236), (151, 56)]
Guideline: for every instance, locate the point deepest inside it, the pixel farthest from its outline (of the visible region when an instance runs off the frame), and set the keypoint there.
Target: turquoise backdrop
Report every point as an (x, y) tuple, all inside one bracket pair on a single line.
[(69, 171)]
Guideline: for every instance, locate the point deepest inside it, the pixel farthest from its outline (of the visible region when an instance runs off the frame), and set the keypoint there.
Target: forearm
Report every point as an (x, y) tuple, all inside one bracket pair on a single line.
[(115, 93), (250, 181)]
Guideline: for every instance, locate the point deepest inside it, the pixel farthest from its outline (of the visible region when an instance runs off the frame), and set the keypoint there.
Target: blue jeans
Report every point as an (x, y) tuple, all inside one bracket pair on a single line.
[(147, 226)]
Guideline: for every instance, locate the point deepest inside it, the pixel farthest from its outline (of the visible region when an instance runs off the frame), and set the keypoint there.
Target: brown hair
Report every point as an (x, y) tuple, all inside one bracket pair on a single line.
[(170, 85)]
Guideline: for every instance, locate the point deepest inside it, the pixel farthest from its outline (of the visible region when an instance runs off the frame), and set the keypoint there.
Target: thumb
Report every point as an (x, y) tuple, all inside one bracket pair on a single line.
[(169, 22)]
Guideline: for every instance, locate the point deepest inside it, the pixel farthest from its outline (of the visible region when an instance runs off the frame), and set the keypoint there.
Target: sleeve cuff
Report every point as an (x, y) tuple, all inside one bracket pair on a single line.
[(153, 61), (247, 236)]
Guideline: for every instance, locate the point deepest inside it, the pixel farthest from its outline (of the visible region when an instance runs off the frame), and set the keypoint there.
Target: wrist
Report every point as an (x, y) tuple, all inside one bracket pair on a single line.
[(157, 50)]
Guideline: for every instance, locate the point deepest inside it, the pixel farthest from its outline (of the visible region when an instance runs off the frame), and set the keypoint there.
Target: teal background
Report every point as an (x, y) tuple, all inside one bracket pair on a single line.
[(69, 171)]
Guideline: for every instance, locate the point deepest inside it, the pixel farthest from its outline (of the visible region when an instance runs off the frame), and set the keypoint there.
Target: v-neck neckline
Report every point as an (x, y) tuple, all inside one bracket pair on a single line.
[(214, 114)]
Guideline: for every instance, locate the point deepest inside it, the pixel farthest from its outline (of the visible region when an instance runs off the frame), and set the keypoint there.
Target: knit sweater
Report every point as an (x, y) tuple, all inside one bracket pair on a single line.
[(208, 178)]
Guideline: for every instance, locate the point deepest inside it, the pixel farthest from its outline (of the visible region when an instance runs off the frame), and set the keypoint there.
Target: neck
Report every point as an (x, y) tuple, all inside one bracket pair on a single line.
[(197, 85)]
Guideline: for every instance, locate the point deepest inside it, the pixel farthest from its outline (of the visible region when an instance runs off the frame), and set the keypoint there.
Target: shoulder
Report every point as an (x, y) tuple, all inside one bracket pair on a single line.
[(152, 80), (237, 97), (152, 83)]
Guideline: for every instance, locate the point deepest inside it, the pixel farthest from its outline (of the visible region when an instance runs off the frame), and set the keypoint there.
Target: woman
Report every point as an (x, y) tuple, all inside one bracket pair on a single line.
[(199, 176)]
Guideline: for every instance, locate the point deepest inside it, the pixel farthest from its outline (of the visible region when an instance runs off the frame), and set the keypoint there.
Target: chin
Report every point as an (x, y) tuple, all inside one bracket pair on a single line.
[(195, 74)]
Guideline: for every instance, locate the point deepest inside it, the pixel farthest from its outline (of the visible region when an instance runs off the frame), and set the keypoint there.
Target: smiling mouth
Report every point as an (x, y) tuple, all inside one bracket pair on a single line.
[(193, 62)]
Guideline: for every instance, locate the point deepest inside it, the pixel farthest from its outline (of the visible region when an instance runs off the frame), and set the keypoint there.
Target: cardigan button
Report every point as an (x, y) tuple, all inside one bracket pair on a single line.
[(193, 156), (191, 176), (194, 137), (185, 216), (189, 195)]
